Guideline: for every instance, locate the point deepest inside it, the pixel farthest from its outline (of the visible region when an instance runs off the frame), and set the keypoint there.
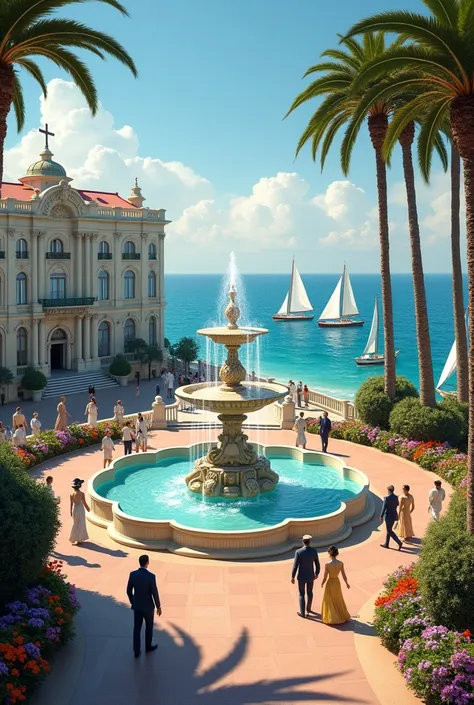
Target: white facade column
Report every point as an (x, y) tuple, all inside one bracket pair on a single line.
[(94, 337), (80, 272), (117, 292), (40, 265), (11, 267), (87, 266), (68, 355), (41, 344), (78, 338), (144, 269), (87, 338), (34, 343), (93, 268), (34, 266)]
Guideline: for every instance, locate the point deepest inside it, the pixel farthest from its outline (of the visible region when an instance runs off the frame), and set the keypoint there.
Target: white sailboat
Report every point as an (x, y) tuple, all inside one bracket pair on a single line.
[(371, 355), (341, 306), (296, 305), (449, 369)]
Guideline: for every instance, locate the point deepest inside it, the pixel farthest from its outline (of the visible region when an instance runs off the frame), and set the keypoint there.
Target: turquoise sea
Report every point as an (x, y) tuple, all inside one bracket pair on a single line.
[(323, 359)]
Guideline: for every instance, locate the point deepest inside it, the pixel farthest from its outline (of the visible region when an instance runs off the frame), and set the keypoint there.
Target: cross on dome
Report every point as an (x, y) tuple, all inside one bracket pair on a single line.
[(47, 134)]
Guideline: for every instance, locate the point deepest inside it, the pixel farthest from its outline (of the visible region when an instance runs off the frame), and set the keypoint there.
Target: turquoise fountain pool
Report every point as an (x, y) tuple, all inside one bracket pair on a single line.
[(156, 492)]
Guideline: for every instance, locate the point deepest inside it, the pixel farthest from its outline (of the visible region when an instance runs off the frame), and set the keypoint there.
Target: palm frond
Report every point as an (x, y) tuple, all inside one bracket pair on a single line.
[(326, 112), (349, 140), (404, 115), (323, 85), (34, 70), (430, 130), (440, 147), (18, 103), (343, 57), (466, 18), (354, 46), (330, 134), (333, 66), (445, 11)]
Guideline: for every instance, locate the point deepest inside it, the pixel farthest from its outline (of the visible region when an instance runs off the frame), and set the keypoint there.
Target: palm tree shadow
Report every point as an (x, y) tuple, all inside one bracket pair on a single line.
[(177, 673)]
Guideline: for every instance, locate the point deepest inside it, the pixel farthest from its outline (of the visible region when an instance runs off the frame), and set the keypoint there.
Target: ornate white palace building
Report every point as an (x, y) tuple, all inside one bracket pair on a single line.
[(81, 272)]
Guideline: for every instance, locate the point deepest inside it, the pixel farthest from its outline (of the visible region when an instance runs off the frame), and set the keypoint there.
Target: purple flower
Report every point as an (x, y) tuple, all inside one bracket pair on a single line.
[(434, 631), (3, 668), (461, 660), (35, 622), (424, 665), (52, 633), (32, 650)]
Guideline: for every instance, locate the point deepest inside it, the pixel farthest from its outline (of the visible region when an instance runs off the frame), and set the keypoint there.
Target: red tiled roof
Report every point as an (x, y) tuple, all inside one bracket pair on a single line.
[(103, 198)]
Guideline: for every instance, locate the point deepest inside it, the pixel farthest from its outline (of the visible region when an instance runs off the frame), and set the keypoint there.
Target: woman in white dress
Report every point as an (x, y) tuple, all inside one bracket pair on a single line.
[(78, 513), (119, 412), (91, 412), (300, 428), (35, 424), (141, 434)]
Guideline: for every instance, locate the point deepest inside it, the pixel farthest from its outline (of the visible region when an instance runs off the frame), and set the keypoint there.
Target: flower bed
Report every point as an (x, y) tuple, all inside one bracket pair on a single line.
[(49, 444), (437, 663), (31, 630), (438, 457)]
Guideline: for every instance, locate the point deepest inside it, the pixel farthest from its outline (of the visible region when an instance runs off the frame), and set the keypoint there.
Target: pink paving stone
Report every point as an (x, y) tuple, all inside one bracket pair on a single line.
[(235, 622)]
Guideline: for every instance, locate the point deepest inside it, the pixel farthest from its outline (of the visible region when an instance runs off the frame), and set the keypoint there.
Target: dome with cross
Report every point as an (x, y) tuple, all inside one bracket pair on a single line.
[(45, 172)]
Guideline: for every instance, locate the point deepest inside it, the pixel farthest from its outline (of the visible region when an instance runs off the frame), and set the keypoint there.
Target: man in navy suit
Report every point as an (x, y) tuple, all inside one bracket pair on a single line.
[(390, 514), (305, 558), (324, 430), (144, 599)]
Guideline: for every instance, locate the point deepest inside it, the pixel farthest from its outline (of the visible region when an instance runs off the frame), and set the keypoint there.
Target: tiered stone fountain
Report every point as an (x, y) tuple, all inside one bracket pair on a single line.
[(232, 468)]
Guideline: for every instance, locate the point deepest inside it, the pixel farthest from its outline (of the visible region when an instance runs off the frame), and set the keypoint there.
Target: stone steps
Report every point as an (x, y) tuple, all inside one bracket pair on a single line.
[(77, 384)]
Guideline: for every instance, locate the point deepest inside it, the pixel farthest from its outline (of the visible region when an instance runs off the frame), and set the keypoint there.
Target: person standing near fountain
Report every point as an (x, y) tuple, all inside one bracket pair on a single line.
[(144, 599), (305, 558), (300, 428), (324, 430), (333, 608)]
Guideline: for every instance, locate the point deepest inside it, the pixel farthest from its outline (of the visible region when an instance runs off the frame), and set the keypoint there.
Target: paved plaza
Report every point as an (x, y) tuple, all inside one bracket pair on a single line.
[(229, 634)]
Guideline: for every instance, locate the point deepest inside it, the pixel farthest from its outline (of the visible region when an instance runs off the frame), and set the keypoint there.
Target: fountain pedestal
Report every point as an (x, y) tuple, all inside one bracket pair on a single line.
[(232, 468)]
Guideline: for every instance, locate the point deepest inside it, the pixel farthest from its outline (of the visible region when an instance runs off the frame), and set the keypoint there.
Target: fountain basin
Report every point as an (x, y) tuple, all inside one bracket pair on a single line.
[(223, 335), (246, 397), (277, 530)]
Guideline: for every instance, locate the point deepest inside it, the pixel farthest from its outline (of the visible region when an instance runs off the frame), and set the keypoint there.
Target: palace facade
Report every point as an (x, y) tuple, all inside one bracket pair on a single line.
[(81, 272)]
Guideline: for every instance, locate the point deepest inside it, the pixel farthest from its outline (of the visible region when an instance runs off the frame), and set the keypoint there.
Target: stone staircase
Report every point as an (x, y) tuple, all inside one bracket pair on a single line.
[(68, 384)]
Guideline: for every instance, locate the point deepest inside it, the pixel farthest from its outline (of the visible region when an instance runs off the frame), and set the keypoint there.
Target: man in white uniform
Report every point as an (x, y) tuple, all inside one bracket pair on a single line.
[(170, 385), (436, 498)]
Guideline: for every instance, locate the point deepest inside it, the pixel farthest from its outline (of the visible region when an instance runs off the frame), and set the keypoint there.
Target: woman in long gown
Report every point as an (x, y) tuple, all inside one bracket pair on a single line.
[(299, 428), (61, 421), (91, 412), (405, 510), (78, 513), (333, 608)]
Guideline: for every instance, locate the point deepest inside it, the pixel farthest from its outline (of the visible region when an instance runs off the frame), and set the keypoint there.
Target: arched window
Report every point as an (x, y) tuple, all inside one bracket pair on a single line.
[(21, 288), (152, 251), (103, 293), (152, 285), (56, 246), (104, 248), (129, 248), (21, 347), (129, 331), (57, 286), (129, 285), (152, 331), (21, 249), (104, 339), (58, 334)]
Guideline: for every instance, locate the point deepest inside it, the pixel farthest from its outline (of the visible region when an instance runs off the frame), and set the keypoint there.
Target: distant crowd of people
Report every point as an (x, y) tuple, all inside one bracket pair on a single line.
[(299, 393)]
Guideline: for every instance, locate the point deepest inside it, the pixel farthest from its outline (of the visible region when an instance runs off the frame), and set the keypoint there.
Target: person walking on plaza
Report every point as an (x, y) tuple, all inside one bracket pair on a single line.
[(406, 509), (141, 434), (299, 393), (18, 419), (143, 594), (300, 428), (324, 430), (306, 395), (91, 412), (389, 513), (333, 608), (436, 498), (306, 570), (108, 448), (78, 507), (35, 425), (19, 437), (61, 420), (127, 438), (49, 487), (170, 383), (292, 390), (119, 412)]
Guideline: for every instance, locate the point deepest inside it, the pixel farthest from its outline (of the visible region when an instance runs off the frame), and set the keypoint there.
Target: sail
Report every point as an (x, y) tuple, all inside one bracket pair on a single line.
[(349, 306), (284, 307), (299, 297), (333, 306), (372, 345), (449, 368)]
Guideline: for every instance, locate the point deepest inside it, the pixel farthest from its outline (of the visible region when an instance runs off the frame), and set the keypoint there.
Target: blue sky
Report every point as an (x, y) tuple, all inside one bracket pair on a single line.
[(216, 78)]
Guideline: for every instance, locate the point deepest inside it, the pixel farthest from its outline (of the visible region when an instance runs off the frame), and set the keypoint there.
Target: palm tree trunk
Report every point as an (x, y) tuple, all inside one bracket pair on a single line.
[(6, 93), (378, 129), (462, 127), (425, 363), (462, 372)]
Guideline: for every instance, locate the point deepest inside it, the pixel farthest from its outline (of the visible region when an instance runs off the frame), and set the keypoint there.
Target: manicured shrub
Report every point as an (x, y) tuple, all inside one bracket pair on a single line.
[(28, 526), (412, 420), (33, 379), (461, 410), (120, 366), (374, 406), (446, 569)]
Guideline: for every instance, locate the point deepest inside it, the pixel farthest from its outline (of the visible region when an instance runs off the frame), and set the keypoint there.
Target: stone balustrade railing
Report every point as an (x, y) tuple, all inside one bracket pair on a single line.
[(341, 407)]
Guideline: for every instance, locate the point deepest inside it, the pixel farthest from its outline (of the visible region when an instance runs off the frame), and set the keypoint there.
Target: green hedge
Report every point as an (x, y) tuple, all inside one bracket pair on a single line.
[(412, 420), (374, 406), (446, 569), (28, 526)]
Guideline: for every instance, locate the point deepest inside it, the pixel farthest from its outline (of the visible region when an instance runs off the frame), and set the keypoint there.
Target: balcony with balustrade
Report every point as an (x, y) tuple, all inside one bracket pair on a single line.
[(58, 255), (130, 255), (76, 302)]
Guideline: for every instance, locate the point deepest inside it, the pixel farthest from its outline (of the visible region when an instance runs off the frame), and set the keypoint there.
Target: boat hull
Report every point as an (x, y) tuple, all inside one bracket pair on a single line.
[(447, 395), (340, 324), (291, 317), (376, 360)]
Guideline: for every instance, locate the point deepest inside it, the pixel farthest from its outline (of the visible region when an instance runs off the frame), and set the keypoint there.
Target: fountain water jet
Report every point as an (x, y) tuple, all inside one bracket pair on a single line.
[(232, 468)]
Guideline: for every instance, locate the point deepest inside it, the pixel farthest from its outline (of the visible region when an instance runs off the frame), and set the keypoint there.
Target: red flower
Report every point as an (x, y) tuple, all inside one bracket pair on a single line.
[(467, 633)]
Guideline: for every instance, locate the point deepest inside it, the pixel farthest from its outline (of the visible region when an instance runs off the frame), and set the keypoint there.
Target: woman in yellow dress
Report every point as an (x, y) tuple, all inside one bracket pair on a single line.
[(333, 609), (405, 510)]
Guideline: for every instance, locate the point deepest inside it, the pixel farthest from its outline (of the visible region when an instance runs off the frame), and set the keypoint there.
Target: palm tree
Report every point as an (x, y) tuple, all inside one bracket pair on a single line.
[(27, 31), (441, 62)]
